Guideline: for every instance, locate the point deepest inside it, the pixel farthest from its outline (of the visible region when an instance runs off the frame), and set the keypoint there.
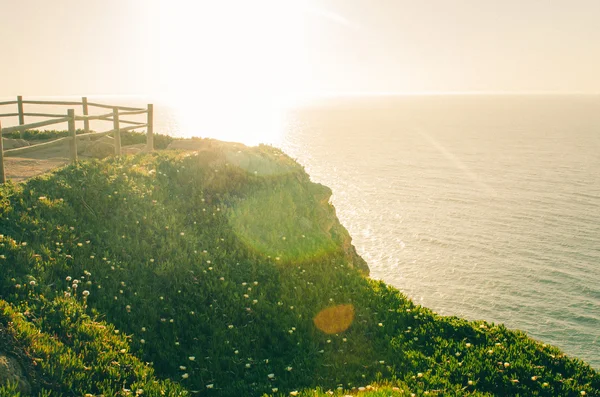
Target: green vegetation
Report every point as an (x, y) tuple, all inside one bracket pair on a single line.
[(127, 137), (176, 274)]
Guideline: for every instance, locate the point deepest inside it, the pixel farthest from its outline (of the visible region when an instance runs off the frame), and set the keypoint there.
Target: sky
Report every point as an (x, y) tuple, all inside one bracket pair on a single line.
[(265, 49)]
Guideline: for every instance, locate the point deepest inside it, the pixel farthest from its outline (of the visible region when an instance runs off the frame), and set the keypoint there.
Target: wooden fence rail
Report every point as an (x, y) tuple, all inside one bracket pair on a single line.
[(70, 118)]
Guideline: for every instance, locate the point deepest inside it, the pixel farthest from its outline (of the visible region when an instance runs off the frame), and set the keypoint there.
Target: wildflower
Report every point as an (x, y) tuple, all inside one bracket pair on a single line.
[(420, 375), (80, 244), (288, 369), (68, 278), (86, 293), (209, 386), (248, 365), (236, 352), (380, 324), (32, 283), (255, 301), (182, 234), (143, 329), (275, 390), (192, 358), (256, 283), (506, 365), (294, 393), (468, 345), (230, 326), (182, 367), (381, 362), (185, 376), (583, 393), (142, 341), (470, 383), (271, 376)]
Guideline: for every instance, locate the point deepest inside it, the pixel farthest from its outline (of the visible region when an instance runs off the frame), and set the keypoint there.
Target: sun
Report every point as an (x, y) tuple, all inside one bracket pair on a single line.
[(228, 66)]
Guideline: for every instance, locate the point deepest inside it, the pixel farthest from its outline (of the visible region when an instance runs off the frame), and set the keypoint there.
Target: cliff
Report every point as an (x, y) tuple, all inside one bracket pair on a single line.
[(224, 271)]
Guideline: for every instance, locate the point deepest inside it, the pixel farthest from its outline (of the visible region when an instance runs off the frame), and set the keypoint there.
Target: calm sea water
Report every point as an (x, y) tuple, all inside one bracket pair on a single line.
[(481, 207)]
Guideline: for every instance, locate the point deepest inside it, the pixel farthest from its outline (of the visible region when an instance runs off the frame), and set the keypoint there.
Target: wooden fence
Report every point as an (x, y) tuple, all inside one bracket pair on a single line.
[(70, 117)]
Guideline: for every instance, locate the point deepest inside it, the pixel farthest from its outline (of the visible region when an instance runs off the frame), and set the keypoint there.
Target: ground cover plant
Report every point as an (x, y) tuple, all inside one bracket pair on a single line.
[(225, 272)]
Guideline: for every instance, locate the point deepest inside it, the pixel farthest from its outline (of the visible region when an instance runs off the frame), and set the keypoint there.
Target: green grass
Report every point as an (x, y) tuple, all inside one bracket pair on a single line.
[(212, 274)]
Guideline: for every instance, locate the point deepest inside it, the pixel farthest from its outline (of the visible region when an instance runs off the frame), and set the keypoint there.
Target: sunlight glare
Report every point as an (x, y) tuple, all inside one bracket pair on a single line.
[(226, 65)]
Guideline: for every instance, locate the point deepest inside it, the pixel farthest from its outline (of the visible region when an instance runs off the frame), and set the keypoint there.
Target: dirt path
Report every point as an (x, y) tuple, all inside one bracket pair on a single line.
[(36, 163)]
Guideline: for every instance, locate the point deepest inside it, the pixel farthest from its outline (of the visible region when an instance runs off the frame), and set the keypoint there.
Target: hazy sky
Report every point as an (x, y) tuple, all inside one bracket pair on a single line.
[(269, 48)]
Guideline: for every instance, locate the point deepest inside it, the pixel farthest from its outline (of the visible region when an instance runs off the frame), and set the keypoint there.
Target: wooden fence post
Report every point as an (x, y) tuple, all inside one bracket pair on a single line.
[(86, 123), (73, 134), (2, 176), (150, 134), (117, 131), (21, 113)]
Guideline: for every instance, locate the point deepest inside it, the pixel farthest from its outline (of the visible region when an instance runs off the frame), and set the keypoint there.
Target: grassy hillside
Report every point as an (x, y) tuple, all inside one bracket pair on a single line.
[(226, 273)]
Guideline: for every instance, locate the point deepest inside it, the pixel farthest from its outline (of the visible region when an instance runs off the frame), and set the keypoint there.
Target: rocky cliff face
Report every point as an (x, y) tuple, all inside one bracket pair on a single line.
[(11, 371)]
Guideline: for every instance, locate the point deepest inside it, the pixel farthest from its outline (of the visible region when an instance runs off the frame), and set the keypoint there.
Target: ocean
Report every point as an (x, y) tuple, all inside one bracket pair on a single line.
[(483, 207)]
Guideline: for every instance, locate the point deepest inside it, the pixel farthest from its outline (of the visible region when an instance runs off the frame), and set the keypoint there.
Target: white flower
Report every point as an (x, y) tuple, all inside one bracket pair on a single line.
[(271, 376), (86, 293), (68, 278), (192, 358), (32, 283), (288, 369), (185, 376), (182, 367), (209, 386), (142, 341)]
